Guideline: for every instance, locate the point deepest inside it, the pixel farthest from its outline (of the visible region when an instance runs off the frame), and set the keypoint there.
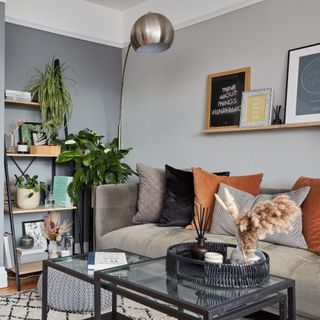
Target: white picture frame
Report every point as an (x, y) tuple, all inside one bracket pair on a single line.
[(256, 108), (303, 85), (34, 229)]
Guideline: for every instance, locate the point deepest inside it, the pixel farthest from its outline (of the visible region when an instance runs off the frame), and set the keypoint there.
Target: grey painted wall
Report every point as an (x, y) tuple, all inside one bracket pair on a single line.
[(2, 39), (165, 94), (97, 71)]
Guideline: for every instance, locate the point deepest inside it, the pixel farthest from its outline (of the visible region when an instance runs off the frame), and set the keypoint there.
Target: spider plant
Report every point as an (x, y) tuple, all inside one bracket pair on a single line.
[(49, 88)]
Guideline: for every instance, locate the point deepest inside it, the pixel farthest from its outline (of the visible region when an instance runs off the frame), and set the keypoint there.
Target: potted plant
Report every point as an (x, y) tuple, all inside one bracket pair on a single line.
[(96, 163), (49, 88), (28, 191)]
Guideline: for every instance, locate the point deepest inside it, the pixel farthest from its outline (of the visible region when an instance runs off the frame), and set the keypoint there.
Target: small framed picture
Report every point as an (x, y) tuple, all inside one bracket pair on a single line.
[(34, 229), (28, 130), (256, 108), (303, 85), (224, 97)]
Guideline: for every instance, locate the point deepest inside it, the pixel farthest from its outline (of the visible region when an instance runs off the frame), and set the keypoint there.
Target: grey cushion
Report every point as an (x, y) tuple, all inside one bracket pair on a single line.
[(223, 223), (67, 293), (150, 194)]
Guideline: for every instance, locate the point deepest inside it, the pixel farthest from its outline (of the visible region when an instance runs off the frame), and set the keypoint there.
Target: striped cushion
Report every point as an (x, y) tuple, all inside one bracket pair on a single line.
[(223, 223)]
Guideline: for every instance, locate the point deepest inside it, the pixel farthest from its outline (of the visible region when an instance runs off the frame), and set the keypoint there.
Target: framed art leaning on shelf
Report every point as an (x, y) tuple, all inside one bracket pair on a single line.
[(256, 108), (303, 85)]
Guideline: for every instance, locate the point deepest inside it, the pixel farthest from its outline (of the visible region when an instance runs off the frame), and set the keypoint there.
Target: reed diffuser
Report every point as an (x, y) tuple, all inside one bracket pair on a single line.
[(200, 219)]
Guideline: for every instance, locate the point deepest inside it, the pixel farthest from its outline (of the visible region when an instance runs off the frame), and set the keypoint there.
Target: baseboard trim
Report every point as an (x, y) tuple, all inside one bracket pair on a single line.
[(3, 278)]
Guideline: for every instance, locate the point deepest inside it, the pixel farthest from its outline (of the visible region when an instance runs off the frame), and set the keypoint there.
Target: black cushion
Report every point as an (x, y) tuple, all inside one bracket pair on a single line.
[(179, 197)]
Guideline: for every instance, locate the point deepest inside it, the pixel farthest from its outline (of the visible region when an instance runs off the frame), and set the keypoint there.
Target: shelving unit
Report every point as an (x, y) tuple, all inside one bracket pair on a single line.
[(258, 128), (11, 210)]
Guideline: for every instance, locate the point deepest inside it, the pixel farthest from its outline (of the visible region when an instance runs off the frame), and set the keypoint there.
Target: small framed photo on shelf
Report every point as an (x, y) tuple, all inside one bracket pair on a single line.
[(224, 97), (256, 108), (303, 85), (34, 229), (28, 130)]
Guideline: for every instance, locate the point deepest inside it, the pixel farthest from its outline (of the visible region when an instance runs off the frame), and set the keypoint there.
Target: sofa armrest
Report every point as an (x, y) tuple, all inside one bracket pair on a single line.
[(114, 207)]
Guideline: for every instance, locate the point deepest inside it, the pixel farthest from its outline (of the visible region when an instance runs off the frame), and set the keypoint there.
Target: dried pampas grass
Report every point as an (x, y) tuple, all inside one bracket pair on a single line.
[(266, 217)]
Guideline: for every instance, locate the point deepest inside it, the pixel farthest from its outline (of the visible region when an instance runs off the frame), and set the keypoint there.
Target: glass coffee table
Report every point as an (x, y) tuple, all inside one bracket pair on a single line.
[(76, 266), (148, 284)]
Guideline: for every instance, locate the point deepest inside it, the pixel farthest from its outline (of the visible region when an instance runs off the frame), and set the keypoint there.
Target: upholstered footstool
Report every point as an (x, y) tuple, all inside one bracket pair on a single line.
[(67, 293)]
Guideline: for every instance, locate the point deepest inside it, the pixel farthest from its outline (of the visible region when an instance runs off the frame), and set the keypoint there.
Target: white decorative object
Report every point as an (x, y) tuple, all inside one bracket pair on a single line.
[(53, 249), (24, 201)]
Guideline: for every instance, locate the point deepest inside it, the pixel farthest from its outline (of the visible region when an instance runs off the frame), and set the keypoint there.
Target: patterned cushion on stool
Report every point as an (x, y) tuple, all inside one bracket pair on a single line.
[(67, 293)]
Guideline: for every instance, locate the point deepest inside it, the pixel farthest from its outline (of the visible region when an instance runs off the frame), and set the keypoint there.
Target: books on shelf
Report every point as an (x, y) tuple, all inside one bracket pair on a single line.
[(18, 95), (60, 191), (34, 257), (33, 250), (106, 260)]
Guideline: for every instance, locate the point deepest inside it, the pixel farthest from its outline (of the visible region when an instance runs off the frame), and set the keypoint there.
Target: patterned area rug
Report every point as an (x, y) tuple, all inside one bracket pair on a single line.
[(26, 305)]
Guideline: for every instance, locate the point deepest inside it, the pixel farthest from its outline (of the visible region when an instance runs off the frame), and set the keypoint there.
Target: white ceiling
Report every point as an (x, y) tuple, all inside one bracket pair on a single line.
[(118, 4), (83, 19)]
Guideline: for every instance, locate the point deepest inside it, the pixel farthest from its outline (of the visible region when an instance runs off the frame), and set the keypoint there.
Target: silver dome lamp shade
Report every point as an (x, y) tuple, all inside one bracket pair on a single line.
[(151, 33)]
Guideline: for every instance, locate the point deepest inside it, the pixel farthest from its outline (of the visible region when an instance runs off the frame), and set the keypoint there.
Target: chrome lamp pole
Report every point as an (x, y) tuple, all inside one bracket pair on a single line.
[(151, 33)]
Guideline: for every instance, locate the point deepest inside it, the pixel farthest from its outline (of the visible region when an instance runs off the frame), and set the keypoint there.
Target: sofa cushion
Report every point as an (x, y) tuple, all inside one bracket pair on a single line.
[(223, 223), (150, 194), (179, 197), (301, 265), (207, 184), (311, 213)]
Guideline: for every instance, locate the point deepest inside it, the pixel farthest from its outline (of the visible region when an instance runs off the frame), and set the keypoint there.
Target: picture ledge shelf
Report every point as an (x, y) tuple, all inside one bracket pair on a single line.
[(30, 155), (257, 128)]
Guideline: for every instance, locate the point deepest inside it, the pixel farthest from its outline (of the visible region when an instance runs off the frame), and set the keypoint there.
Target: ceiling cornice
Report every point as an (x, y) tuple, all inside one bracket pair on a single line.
[(92, 22)]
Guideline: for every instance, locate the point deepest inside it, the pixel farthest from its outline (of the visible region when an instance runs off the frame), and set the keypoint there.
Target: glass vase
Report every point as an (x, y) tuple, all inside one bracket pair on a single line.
[(248, 256), (53, 249), (12, 146)]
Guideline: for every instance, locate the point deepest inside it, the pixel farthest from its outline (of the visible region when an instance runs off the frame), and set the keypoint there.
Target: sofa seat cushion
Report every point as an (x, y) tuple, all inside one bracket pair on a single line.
[(303, 266)]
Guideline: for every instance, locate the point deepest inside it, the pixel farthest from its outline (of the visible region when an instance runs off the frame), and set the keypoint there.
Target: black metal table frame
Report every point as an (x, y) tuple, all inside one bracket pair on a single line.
[(227, 310), (51, 264)]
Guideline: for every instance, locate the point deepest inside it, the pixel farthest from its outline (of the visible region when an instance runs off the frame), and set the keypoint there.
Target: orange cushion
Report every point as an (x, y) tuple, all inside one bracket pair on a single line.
[(311, 213), (206, 184)]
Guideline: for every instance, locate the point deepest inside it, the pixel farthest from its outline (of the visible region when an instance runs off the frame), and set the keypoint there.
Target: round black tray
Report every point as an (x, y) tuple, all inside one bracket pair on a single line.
[(180, 264)]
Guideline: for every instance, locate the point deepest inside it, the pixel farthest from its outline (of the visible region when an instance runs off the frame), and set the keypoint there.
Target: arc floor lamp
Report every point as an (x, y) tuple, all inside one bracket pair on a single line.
[(151, 33)]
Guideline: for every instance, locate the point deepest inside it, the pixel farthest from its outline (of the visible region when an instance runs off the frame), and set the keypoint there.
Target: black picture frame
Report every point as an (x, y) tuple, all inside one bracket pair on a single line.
[(34, 229), (302, 88), (224, 97)]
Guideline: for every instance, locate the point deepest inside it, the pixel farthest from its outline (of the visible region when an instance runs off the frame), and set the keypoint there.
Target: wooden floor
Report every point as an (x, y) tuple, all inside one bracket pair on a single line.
[(27, 283)]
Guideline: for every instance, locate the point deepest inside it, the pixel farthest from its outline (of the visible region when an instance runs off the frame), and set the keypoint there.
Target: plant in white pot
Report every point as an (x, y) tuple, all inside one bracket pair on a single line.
[(28, 191)]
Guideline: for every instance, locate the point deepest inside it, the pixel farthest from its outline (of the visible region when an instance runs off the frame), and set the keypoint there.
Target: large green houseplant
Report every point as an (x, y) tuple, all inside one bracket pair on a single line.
[(49, 87), (95, 163)]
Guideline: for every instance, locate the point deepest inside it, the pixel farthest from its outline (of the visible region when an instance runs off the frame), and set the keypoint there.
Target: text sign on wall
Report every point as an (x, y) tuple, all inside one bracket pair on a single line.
[(224, 97)]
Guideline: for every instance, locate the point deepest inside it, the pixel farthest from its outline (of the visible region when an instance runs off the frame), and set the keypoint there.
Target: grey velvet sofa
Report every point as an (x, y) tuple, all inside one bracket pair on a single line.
[(115, 205)]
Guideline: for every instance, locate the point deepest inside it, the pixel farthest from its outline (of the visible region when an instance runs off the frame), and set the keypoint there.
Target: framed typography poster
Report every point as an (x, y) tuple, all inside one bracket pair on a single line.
[(224, 97), (303, 85)]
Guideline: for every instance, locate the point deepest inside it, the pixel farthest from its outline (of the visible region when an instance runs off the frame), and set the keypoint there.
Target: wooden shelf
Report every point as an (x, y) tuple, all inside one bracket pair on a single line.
[(272, 127), (22, 103), (17, 210), (29, 155), (26, 268)]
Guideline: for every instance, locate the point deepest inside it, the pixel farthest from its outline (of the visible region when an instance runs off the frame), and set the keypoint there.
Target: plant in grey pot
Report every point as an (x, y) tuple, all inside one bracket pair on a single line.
[(95, 163), (49, 88)]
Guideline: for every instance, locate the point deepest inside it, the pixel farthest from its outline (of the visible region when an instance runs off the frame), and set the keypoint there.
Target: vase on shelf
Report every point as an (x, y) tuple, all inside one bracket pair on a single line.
[(12, 146), (53, 249), (199, 249), (252, 255)]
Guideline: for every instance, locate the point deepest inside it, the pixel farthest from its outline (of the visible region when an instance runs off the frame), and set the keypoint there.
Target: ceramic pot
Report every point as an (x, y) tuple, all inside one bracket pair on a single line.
[(26, 242), (53, 249), (23, 200), (199, 249)]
